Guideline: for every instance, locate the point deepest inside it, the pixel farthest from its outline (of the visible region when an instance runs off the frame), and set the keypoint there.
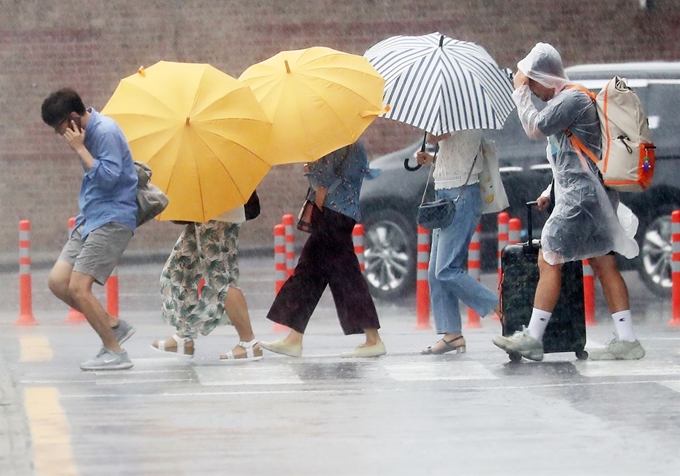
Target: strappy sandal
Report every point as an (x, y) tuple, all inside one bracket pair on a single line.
[(449, 347), (250, 353), (179, 351)]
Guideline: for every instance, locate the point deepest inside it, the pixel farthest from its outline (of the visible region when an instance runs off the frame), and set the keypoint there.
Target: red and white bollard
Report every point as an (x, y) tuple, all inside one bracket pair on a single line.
[(515, 231), (25, 287), (290, 243), (74, 316), (358, 241), (474, 270), (280, 266), (589, 292), (503, 225), (112, 293), (279, 256), (422, 286), (675, 268)]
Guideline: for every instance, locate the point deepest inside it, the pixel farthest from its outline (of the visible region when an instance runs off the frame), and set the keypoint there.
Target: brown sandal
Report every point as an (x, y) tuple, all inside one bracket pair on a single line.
[(449, 347)]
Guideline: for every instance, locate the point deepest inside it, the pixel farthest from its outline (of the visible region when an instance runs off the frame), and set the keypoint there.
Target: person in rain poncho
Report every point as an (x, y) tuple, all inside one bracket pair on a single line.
[(583, 223)]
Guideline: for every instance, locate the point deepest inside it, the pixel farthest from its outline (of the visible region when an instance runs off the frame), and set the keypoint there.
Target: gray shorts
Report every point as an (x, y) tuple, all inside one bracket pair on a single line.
[(99, 253)]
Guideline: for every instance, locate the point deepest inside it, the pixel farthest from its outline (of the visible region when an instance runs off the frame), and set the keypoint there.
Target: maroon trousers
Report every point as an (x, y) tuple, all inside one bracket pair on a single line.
[(327, 259)]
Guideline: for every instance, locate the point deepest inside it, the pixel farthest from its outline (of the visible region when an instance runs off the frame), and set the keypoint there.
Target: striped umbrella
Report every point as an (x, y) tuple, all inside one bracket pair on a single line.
[(441, 85)]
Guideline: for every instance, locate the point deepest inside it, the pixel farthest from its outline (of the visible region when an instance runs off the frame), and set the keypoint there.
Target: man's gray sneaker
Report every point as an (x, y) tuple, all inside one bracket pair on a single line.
[(123, 331), (108, 360), (522, 343), (618, 350)]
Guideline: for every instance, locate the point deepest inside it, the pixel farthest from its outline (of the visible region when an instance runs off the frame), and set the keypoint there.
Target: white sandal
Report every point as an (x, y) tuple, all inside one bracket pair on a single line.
[(180, 352), (250, 353)]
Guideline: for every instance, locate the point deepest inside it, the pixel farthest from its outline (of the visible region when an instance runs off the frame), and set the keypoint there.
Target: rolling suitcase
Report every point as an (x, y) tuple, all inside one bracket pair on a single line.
[(566, 331)]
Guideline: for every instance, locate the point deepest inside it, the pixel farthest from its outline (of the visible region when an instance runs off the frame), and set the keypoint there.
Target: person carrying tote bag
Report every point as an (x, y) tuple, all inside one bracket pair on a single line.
[(456, 178)]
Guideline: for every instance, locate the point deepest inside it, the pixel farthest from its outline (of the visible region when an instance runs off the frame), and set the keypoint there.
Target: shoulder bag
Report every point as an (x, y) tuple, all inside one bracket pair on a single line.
[(438, 213)]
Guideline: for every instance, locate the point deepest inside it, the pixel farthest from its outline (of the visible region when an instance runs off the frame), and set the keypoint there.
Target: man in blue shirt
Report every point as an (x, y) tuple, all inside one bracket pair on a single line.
[(105, 224)]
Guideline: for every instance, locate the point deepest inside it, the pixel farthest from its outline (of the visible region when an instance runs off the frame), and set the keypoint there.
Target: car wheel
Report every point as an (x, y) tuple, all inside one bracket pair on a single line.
[(656, 254), (390, 254)]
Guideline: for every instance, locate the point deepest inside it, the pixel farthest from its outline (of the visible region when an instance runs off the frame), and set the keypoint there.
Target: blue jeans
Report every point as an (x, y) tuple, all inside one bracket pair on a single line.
[(448, 279)]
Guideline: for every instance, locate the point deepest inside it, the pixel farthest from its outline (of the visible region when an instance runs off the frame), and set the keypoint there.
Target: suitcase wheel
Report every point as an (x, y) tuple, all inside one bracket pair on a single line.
[(515, 357), (581, 354)]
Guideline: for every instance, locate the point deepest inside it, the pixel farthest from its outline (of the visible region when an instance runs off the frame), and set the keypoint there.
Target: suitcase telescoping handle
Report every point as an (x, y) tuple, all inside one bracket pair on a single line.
[(529, 223)]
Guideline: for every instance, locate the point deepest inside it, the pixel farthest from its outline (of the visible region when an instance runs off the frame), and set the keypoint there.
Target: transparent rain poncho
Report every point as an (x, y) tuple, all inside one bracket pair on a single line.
[(584, 222)]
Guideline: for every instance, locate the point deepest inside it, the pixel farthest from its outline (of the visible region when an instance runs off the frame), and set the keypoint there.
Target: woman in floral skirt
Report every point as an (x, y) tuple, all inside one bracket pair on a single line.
[(198, 285)]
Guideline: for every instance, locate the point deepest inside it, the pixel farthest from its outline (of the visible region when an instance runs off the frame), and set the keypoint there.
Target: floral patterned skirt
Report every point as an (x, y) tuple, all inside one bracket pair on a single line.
[(204, 252)]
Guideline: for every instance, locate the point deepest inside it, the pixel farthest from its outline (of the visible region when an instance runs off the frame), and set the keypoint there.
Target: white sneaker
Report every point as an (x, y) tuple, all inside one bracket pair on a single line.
[(618, 350), (522, 343)]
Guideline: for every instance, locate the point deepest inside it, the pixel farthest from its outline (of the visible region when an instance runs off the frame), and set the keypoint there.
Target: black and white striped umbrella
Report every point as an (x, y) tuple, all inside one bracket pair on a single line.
[(442, 85)]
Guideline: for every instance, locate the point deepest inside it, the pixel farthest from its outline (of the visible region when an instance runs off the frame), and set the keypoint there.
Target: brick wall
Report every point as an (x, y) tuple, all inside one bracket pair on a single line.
[(90, 45)]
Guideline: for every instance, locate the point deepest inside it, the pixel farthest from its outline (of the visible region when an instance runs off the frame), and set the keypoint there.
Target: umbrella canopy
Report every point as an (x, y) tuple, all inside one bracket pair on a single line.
[(442, 85), (200, 131), (318, 100)]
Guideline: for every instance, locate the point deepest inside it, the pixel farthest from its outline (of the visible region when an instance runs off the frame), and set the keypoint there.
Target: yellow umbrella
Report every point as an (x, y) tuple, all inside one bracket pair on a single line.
[(202, 132), (318, 100)]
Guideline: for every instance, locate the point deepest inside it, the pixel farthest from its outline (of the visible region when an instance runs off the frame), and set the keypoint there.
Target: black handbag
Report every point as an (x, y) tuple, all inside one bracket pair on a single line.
[(304, 222), (438, 213), (252, 206)]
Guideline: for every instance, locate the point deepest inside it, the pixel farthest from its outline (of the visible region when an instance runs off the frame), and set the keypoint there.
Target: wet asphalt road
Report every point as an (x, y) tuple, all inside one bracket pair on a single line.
[(401, 414)]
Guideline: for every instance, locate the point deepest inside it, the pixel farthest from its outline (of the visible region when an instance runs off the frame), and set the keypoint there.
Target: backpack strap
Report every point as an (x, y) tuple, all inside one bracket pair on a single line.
[(575, 141)]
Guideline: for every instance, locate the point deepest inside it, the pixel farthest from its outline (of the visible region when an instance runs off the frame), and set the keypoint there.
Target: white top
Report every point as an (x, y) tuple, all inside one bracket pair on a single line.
[(235, 215), (455, 159)]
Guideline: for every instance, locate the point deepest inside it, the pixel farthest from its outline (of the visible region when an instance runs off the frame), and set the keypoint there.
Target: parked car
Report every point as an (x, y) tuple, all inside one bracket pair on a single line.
[(389, 202)]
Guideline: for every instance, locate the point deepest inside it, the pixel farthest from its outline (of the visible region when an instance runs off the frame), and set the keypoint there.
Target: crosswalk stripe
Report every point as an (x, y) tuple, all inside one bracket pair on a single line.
[(423, 371), (672, 384), (247, 374), (626, 368)]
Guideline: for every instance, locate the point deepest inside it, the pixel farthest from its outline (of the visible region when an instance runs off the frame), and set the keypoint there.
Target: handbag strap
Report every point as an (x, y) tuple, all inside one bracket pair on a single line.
[(422, 200)]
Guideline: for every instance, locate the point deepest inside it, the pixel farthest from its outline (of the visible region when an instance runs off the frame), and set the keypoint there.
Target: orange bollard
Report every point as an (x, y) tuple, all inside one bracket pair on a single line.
[(358, 241), (25, 287), (675, 268), (279, 256), (290, 243), (422, 286), (279, 266), (589, 292), (515, 227), (474, 266), (112, 293), (74, 316), (503, 225)]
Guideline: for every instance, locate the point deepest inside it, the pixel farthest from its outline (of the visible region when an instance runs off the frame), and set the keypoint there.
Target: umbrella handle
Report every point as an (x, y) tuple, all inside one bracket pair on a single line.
[(408, 167), (422, 149)]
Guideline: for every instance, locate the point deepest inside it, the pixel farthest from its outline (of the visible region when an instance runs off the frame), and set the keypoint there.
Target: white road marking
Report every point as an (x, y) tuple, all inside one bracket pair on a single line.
[(627, 368), (421, 371), (249, 374), (672, 384)]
